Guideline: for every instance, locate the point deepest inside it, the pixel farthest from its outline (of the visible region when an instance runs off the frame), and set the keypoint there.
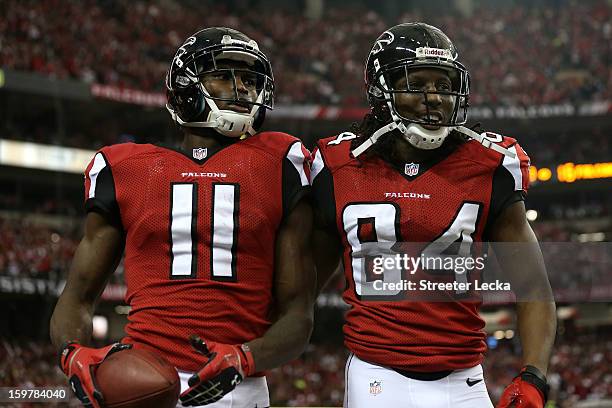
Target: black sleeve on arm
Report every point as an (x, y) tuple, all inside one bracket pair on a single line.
[(503, 194), (104, 200)]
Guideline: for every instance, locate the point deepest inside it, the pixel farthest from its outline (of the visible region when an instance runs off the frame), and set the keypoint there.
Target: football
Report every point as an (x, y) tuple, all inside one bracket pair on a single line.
[(137, 378)]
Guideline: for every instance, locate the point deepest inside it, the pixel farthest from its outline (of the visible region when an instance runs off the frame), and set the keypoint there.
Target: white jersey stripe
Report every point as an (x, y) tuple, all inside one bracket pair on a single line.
[(181, 229), (317, 165), (223, 239), (98, 165), (513, 165), (296, 157)]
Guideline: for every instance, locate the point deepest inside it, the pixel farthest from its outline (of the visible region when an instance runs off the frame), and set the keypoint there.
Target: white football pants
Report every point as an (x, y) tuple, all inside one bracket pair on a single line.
[(250, 393), (372, 386)]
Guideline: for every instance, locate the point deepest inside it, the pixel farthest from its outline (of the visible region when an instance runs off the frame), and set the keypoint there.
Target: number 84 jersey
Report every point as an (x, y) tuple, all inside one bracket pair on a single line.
[(370, 203), (200, 235)]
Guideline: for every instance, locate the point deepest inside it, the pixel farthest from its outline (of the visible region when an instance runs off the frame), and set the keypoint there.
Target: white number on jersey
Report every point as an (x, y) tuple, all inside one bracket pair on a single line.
[(342, 137), (224, 230), (385, 218)]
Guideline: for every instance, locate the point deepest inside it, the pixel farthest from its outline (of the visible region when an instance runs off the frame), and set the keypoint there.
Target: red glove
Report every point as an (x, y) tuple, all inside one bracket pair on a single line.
[(79, 363), (527, 390), (226, 367)]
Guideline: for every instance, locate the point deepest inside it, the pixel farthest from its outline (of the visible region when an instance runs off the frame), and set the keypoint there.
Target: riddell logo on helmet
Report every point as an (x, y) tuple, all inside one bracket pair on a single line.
[(425, 52)]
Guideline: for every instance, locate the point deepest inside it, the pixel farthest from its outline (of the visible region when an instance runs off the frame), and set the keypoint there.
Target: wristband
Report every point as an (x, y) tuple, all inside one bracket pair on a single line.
[(535, 377)]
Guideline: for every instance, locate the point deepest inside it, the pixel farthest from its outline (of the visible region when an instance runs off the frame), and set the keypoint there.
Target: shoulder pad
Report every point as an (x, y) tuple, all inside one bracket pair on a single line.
[(487, 155), (276, 143), (517, 166), (512, 145), (118, 152), (503, 141)]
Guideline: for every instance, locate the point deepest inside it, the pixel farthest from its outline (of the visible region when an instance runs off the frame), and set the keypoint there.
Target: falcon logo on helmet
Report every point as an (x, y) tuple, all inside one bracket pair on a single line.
[(181, 51), (385, 39), (192, 105)]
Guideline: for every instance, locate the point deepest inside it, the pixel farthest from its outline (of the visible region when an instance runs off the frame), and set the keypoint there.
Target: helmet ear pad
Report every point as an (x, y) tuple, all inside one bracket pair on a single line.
[(188, 102)]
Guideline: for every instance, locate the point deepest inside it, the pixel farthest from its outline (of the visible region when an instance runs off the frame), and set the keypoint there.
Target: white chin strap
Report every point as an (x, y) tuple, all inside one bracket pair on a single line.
[(425, 139), (485, 141), (225, 121), (230, 123)]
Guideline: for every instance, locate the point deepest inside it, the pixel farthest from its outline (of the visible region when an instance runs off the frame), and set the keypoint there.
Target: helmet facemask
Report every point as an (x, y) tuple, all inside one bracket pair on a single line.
[(395, 81), (429, 130)]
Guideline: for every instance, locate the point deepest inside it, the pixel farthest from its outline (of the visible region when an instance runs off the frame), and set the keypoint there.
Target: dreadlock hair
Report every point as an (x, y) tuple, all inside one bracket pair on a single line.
[(370, 124)]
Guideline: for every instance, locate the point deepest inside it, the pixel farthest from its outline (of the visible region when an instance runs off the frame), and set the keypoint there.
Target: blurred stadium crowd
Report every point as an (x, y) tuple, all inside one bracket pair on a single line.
[(520, 56), (566, 147), (41, 253), (579, 371)]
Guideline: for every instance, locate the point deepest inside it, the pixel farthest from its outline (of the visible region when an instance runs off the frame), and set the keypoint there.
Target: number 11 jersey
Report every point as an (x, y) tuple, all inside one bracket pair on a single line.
[(200, 234)]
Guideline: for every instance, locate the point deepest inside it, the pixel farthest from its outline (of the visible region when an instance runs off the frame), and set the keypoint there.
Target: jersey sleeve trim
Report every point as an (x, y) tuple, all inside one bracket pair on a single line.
[(100, 192), (296, 172), (323, 194), (507, 188), (317, 165), (99, 163), (298, 159), (513, 165), (518, 167)]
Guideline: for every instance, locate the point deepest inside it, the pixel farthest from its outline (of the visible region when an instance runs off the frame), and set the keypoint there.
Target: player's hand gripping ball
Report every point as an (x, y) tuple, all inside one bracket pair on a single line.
[(226, 367), (120, 376)]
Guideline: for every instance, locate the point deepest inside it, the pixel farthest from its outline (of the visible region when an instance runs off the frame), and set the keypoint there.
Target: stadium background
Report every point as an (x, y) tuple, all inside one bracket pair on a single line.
[(77, 75)]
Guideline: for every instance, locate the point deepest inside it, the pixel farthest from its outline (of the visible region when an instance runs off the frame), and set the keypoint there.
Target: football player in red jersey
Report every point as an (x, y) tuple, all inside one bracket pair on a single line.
[(215, 233), (412, 173)]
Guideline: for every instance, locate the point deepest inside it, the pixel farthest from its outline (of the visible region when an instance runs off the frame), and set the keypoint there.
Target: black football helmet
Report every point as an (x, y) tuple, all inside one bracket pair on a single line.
[(189, 102), (398, 50)]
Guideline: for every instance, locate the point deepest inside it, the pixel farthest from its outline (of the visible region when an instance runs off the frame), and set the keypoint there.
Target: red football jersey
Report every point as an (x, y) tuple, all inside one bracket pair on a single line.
[(200, 235), (451, 200)]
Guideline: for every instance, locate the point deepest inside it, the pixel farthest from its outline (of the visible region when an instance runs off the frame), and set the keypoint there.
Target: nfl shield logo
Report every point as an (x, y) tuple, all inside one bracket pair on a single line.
[(411, 169), (375, 387), (200, 153)]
